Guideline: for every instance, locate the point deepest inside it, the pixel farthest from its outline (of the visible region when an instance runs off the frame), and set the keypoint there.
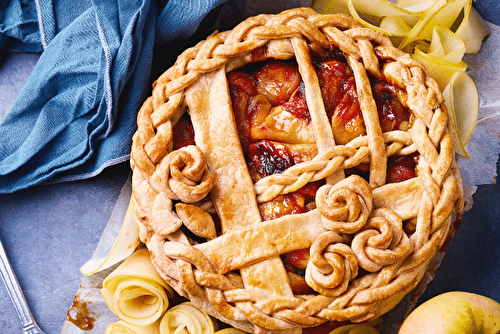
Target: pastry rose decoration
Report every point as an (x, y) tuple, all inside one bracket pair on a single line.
[(183, 175), (346, 205)]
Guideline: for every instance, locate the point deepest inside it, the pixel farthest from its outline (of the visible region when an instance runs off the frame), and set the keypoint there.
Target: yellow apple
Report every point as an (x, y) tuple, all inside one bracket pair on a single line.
[(454, 312)]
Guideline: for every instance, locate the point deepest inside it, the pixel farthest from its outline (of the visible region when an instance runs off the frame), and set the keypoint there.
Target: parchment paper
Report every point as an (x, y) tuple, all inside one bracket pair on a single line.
[(480, 169), (483, 145)]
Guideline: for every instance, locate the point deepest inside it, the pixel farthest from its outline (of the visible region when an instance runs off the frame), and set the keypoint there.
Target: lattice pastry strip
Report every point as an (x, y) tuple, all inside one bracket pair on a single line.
[(363, 260)]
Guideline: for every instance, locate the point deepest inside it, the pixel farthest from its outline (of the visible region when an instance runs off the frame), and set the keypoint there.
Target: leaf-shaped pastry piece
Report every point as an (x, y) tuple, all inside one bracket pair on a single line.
[(196, 220)]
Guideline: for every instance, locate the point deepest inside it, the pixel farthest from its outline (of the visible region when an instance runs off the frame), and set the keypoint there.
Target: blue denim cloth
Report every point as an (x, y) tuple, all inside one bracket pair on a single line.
[(76, 114)]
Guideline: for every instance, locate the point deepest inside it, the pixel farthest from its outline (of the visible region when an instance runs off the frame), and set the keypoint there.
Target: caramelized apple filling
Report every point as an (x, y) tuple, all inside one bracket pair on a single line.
[(275, 131)]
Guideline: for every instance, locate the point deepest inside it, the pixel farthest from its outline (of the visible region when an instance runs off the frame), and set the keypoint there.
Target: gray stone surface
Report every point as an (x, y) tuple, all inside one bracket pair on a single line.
[(50, 231)]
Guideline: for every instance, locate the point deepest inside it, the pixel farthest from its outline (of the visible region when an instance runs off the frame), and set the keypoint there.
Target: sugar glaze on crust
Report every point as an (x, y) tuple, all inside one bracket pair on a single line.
[(238, 276)]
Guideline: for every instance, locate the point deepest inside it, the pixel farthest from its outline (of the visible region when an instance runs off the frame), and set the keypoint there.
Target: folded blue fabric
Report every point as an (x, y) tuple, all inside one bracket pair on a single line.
[(76, 114), (19, 27)]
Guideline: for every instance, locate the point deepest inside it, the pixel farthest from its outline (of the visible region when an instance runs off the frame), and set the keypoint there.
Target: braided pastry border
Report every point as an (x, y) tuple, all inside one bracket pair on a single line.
[(191, 273)]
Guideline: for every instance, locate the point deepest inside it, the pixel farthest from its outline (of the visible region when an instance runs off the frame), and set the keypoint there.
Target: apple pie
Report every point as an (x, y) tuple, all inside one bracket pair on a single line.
[(295, 171)]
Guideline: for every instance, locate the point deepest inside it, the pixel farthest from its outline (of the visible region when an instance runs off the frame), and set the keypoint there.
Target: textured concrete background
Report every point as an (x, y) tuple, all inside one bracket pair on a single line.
[(49, 232)]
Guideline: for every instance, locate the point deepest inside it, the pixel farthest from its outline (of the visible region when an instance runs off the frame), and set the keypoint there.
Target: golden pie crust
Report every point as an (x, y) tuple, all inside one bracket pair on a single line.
[(237, 275)]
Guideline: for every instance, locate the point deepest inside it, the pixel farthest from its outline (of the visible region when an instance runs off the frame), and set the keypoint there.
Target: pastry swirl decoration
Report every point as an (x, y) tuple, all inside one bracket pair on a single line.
[(183, 175), (345, 206), (381, 242), (332, 266), (395, 262)]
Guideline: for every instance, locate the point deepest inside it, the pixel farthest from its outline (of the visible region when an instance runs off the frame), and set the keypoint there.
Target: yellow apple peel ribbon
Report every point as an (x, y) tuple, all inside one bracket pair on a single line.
[(446, 45), (121, 327), (462, 102), (472, 30), (135, 292), (176, 324), (443, 14), (185, 318), (124, 245), (230, 331), (412, 21)]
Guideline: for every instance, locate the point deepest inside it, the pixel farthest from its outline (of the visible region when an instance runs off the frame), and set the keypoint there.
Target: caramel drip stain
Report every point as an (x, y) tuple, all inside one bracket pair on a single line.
[(79, 315)]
